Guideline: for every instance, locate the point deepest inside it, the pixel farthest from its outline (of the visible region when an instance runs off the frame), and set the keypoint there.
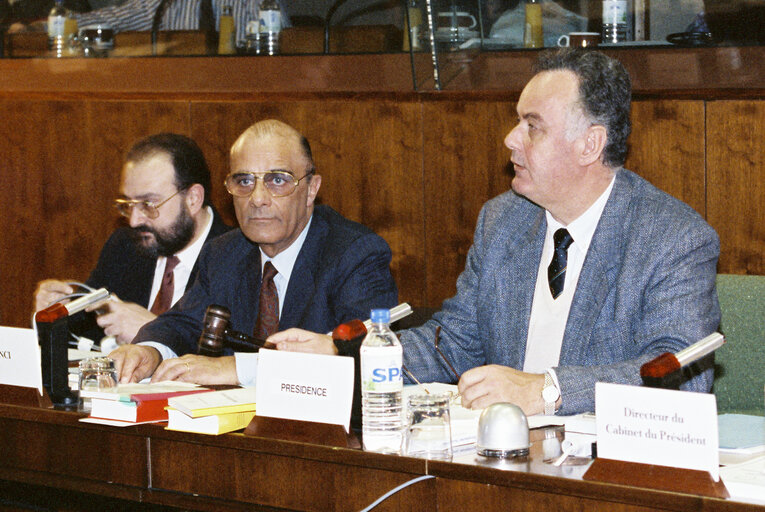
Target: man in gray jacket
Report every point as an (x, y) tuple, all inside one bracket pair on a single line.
[(583, 271)]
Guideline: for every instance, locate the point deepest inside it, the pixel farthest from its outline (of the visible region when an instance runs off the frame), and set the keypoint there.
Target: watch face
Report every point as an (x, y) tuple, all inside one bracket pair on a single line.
[(550, 394)]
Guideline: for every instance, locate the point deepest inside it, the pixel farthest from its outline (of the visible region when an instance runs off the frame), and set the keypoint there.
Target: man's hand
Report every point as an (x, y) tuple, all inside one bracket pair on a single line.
[(482, 386), (122, 319), (50, 291), (299, 340), (135, 362), (198, 369)]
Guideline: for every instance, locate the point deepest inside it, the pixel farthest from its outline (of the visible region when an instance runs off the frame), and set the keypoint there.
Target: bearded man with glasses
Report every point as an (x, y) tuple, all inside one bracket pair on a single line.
[(291, 263), (165, 197)]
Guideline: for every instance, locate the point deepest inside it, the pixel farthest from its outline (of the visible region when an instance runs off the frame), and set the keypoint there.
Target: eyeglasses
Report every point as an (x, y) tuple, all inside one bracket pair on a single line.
[(279, 183), (148, 209)]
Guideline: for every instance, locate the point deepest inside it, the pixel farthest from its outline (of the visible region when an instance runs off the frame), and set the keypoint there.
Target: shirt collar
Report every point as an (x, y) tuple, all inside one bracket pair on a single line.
[(285, 260), (582, 229), (188, 255)]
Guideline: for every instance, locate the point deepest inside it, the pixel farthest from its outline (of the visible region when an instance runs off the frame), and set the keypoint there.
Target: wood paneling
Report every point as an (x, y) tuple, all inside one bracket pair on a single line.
[(60, 176), (416, 167), (667, 148), (736, 184)]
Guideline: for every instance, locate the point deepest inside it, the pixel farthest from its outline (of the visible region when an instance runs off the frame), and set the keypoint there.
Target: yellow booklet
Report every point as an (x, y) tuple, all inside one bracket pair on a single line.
[(216, 402), (212, 425)]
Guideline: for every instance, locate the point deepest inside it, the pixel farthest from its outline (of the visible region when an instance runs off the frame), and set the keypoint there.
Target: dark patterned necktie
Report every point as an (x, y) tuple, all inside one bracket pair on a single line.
[(207, 25), (165, 294), (268, 310), (556, 272)]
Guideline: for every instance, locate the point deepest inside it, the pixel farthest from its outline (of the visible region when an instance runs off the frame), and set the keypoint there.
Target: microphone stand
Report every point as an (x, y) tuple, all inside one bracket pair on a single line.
[(156, 22)]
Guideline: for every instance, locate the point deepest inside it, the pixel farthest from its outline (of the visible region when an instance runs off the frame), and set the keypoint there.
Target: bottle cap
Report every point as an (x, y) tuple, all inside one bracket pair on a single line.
[(380, 316)]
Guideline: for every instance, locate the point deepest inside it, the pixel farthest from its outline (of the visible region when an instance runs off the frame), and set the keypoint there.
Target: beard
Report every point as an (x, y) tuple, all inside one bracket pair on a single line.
[(167, 241)]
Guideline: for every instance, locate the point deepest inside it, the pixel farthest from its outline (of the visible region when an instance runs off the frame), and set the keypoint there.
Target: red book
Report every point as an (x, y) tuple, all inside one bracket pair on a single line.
[(140, 408)]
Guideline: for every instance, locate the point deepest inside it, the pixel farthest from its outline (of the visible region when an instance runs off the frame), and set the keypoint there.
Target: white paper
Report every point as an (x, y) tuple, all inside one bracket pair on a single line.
[(20, 358), (307, 387), (657, 426)]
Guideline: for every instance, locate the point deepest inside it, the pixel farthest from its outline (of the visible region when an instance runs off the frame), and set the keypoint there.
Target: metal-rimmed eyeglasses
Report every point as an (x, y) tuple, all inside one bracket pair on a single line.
[(278, 182), (148, 209)]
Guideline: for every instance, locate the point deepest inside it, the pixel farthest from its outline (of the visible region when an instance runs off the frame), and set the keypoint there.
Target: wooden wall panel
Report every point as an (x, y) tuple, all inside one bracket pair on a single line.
[(368, 153), (59, 180), (736, 189), (667, 148), (466, 163)]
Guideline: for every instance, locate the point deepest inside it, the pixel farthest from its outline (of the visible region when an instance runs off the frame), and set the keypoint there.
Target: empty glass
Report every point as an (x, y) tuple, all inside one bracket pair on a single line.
[(96, 374), (429, 434)]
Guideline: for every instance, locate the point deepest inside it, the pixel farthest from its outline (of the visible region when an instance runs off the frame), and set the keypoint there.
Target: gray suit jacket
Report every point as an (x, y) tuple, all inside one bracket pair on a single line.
[(647, 287)]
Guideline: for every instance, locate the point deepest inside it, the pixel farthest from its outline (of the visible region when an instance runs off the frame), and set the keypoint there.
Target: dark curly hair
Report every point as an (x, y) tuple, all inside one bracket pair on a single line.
[(605, 92)]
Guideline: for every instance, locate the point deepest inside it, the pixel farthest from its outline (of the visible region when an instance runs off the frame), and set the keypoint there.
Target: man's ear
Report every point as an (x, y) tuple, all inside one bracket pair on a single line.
[(195, 198), (313, 189), (595, 139)]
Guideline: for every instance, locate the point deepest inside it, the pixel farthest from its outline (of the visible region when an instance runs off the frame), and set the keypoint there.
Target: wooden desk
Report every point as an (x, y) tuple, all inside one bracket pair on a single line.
[(50, 455)]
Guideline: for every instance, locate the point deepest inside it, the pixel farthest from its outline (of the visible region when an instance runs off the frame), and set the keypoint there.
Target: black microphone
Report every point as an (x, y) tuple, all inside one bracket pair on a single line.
[(216, 334)]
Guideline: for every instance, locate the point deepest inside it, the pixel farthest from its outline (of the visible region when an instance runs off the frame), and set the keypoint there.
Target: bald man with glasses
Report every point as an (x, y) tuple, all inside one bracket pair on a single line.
[(147, 265), (291, 263)]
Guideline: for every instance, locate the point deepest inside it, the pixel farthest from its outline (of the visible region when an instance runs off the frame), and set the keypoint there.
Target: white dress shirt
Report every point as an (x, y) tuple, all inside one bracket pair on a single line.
[(187, 258), (549, 316)]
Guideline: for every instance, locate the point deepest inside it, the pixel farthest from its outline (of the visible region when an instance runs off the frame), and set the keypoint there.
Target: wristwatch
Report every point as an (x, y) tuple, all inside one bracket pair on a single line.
[(550, 395)]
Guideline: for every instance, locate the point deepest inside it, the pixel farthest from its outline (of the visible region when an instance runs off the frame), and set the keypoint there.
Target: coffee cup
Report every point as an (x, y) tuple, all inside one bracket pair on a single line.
[(579, 39), (456, 20)]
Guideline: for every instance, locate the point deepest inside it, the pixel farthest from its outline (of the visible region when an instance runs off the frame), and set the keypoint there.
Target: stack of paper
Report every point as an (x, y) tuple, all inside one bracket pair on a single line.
[(212, 413), (742, 437), (135, 403)]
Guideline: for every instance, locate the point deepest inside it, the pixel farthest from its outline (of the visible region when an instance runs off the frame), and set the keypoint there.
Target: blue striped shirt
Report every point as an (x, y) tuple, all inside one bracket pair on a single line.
[(179, 15)]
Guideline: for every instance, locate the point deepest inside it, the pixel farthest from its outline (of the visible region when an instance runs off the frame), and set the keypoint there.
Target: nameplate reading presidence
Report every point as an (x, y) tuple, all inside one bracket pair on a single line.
[(20, 358), (307, 387), (657, 426)]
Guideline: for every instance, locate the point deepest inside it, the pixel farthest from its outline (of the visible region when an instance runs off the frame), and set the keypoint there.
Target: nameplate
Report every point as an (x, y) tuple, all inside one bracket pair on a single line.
[(20, 358), (307, 387), (657, 426)]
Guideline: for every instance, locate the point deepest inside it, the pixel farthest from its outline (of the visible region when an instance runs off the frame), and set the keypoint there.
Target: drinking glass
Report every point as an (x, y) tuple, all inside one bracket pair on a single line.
[(96, 374), (429, 434)]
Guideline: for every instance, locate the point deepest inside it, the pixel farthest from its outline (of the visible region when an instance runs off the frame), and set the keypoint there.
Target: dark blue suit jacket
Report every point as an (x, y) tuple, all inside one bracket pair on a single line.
[(129, 274), (341, 273), (123, 270)]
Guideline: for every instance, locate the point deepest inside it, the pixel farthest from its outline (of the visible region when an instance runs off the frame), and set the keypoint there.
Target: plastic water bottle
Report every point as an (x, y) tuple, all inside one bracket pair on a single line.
[(381, 387), (614, 21), (57, 29), (270, 17)]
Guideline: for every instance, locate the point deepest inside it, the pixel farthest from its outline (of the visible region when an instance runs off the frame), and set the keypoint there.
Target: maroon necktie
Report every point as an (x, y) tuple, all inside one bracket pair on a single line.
[(165, 294), (268, 311)]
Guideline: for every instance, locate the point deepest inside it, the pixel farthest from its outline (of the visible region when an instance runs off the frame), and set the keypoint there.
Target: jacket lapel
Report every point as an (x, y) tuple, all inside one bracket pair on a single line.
[(514, 285), (302, 283), (597, 276)]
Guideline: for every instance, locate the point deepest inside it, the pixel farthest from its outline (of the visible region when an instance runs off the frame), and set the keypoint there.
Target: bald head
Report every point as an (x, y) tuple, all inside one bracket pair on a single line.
[(274, 129)]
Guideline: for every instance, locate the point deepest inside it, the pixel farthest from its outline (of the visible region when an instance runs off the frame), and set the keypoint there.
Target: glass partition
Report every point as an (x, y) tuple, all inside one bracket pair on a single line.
[(118, 28)]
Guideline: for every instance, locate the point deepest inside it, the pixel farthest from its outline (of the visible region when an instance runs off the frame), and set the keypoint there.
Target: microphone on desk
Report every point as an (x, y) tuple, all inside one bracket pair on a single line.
[(668, 363), (216, 334), (58, 310), (356, 328)]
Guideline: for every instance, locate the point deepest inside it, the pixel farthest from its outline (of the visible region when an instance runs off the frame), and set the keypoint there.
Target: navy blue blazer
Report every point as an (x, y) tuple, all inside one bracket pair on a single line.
[(341, 273)]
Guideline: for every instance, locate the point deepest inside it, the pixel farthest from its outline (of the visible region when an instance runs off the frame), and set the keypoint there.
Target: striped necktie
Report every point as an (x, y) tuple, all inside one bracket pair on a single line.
[(556, 272), (268, 309), (164, 298)]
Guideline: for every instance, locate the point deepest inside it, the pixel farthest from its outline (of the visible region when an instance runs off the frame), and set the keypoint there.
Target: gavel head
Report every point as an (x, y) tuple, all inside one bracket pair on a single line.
[(213, 335)]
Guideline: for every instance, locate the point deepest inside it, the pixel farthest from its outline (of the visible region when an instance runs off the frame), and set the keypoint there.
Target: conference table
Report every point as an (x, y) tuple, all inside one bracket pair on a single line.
[(48, 458)]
